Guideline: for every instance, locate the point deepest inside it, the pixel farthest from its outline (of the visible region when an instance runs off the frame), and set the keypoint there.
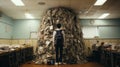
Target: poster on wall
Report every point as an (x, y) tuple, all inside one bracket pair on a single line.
[(90, 32), (8, 28), (33, 35)]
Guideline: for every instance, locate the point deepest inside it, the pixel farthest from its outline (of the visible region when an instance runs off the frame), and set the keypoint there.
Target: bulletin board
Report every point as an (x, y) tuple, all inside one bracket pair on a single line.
[(90, 32)]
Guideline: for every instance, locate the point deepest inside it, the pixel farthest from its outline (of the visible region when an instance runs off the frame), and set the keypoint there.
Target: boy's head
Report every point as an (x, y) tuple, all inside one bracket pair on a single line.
[(58, 25)]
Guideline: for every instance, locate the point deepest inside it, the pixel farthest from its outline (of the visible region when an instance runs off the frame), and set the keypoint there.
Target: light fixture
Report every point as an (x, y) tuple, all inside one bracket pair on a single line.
[(18, 2), (99, 2), (104, 15), (29, 16)]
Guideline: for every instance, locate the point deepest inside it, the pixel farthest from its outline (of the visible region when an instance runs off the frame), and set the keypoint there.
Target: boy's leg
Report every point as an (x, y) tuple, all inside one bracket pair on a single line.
[(57, 58), (61, 53)]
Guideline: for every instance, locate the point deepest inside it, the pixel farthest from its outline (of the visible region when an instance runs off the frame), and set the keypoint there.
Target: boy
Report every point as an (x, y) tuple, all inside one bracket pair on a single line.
[(58, 42)]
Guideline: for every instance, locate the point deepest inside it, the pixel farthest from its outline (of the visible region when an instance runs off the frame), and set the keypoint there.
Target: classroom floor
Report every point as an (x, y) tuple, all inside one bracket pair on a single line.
[(89, 64)]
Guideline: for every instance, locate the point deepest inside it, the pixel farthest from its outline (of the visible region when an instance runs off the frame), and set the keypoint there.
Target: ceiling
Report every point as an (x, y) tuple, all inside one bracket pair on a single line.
[(84, 8)]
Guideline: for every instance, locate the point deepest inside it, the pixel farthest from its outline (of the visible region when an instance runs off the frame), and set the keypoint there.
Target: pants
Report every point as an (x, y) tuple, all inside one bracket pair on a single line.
[(59, 51)]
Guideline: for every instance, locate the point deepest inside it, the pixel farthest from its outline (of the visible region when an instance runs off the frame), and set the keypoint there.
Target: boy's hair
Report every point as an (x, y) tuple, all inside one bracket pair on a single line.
[(58, 25)]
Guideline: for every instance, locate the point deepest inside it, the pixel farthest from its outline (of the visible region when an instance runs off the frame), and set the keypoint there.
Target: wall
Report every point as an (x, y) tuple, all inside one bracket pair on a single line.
[(17, 30), (23, 28), (6, 29), (105, 28), (102, 22)]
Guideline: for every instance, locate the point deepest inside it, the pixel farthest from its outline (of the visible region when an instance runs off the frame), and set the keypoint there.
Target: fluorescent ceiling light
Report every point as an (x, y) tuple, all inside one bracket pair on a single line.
[(104, 15), (18, 2), (29, 16), (99, 2)]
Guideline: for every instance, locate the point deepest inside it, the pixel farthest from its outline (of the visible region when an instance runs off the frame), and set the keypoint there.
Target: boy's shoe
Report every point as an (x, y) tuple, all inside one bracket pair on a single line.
[(56, 63), (60, 63)]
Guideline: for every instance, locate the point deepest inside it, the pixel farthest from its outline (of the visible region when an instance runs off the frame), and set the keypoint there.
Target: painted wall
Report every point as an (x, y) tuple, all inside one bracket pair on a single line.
[(23, 28), (6, 27), (105, 22), (105, 28)]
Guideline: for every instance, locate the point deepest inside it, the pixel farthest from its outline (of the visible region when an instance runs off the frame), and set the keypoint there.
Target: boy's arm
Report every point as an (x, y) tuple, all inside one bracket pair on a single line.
[(64, 38), (54, 37)]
